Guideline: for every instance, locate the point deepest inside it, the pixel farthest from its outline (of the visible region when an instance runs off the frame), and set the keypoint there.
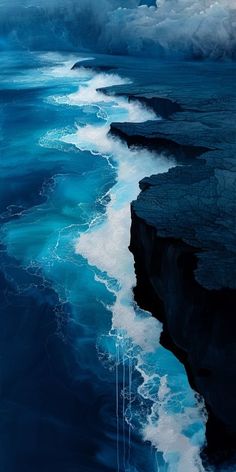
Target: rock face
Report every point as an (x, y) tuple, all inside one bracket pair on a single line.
[(183, 239), (178, 280), (183, 234)]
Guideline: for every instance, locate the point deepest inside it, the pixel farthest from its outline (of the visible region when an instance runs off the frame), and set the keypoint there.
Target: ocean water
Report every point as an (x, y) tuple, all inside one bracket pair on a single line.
[(85, 384)]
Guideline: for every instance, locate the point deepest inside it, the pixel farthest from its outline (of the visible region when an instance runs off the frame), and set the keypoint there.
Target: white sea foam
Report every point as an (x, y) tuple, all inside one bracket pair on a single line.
[(90, 92), (165, 430), (61, 67), (105, 246)]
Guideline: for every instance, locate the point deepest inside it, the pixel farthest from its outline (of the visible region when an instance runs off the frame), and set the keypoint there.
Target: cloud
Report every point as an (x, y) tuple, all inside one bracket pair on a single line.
[(187, 28), (167, 28)]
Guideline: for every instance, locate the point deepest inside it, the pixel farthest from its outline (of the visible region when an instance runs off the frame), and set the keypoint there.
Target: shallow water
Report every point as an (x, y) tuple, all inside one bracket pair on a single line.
[(85, 384)]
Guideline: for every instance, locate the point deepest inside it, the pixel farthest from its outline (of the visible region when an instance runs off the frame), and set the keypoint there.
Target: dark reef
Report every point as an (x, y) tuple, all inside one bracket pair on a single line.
[(183, 234)]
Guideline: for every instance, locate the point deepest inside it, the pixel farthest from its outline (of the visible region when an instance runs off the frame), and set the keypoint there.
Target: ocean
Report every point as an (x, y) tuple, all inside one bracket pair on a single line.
[(85, 384)]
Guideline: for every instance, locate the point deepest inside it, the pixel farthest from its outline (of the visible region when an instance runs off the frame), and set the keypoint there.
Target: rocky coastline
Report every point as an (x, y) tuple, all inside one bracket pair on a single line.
[(183, 234)]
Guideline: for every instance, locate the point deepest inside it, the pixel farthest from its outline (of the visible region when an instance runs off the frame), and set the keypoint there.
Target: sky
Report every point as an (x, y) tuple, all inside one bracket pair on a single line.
[(162, 28)]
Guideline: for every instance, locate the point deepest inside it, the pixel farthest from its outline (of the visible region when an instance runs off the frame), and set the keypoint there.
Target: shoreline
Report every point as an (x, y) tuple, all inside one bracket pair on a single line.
[(191, 284)]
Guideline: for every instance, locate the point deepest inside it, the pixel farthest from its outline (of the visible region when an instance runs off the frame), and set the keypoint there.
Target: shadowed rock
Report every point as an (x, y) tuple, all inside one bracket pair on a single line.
[(183, 233)]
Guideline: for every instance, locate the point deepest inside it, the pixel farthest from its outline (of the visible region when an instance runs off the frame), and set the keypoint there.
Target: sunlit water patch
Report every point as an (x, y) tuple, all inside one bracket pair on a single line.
[(74, 236)]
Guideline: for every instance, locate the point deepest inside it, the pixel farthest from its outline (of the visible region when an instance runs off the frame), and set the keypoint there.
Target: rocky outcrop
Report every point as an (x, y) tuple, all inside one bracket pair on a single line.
[(152, 136), (183, 234), (187, 281), (99, 68), (183, 239)]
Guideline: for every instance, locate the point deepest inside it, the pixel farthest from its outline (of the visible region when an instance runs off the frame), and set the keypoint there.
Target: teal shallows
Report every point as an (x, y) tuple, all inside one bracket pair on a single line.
[(60, 203)]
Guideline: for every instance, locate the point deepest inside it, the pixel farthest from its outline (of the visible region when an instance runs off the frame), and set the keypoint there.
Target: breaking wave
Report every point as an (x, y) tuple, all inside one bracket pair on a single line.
[(156, 398)]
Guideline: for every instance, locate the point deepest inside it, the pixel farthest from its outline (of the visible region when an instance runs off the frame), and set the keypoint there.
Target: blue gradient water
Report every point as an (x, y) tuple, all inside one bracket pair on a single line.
[(85, 385)]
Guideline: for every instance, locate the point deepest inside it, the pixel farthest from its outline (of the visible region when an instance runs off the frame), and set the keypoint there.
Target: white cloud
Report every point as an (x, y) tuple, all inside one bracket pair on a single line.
[(188, 28)]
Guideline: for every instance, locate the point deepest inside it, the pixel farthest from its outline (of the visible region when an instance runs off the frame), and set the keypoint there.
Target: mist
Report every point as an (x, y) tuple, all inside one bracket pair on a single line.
[(203, 29)]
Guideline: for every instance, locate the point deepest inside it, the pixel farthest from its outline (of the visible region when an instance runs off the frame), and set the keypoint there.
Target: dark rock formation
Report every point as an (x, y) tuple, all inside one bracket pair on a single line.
[(183, 233), (101, 68), (151, 136), (199, 321), (183, 239)]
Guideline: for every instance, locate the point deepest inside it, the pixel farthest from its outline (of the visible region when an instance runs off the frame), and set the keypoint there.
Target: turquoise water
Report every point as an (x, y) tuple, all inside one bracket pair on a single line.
[(86, 385)]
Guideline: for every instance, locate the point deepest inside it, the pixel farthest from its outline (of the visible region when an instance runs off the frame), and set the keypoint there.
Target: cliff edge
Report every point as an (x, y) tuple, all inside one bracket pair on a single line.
[(183, 234), (183, 239)]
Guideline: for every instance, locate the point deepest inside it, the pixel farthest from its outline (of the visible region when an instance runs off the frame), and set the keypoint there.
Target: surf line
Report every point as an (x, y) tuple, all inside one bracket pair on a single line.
[(105, 246)]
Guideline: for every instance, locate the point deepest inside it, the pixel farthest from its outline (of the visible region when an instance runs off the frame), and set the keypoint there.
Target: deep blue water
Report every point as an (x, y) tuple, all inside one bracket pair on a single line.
[(85, 385)]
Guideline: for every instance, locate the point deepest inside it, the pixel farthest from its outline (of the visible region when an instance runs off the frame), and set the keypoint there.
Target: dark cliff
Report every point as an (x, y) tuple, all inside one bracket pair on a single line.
[(183, 239), (199, 322), (183, 234)]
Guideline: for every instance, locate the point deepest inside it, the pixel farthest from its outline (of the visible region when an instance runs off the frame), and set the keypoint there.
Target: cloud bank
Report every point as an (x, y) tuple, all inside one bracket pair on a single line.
[(165, 28)]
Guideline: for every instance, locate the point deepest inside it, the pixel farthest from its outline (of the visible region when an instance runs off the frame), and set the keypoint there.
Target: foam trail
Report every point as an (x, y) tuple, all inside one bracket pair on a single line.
[(90, 93), (165, 430), (105, 246)]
